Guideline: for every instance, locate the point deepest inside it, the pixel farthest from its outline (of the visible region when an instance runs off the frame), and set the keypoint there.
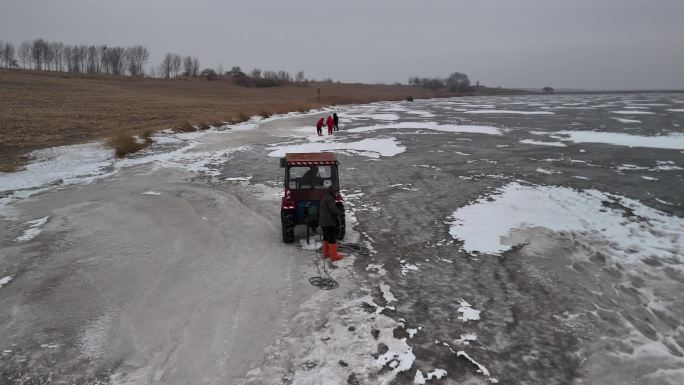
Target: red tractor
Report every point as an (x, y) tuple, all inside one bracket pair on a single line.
[(307, 178)]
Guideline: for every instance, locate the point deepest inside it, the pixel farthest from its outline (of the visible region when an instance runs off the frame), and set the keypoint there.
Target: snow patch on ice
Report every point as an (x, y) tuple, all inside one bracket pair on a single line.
[(466, 339), (151, 193), (33, 229), (510, 112), (672, 141), (5, 280), (452, 128), (485, 226), (376, 269), (633, 112), (623, 120), (540, 143), (375, 116), (436, 374), (387, 293), (406, 267), (373, 148), (545, 171), (467, 312)]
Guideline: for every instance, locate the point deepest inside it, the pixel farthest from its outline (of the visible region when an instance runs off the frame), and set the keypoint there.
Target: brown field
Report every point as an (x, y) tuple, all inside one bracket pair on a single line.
[(41, 109)]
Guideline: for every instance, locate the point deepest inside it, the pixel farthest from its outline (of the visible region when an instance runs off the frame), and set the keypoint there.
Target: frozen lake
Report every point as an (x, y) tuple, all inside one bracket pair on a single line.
[(527, 239)]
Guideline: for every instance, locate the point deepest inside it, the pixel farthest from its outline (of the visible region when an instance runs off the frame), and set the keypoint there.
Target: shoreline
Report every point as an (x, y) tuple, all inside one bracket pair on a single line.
[(47, 109)]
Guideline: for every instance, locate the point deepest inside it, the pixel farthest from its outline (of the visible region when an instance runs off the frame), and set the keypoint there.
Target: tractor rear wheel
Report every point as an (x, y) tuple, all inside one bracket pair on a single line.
[(341, 225), (288, 226), (341, 228)]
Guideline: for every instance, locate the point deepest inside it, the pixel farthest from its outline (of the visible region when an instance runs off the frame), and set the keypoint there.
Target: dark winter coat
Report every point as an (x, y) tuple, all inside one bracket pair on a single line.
[(328, 211), (336, 119)]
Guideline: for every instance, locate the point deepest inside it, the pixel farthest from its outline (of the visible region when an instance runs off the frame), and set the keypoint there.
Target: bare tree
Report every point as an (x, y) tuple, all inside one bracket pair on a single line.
[(7, 59), (284, 76), (25, 54), (256, 73), (300, 77), (176, 63), (92, 60), (166, 65), (188, 66), (195, 67), (57, 49), (38, 53), (136, 57), (270, 75)]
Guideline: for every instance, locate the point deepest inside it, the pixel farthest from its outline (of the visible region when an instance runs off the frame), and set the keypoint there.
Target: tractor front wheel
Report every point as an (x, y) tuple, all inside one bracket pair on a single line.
[(288, 226)]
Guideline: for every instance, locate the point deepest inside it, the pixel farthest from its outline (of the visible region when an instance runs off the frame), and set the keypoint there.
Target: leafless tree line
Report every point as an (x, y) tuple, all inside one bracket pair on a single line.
[(173, 65), (40, 55), (7, 59)]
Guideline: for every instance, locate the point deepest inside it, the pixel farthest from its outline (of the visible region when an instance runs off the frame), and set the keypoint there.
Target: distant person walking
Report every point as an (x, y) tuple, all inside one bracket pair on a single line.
[(319, 127), (330, 123), (336, 120)]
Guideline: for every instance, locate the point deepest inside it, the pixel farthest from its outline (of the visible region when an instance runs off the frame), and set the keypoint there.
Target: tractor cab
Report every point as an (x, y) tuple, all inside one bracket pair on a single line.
[(307, 178)]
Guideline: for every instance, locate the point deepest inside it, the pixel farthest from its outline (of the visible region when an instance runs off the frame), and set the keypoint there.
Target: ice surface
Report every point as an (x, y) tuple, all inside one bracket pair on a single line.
[(672, 141), (455, 128), (510, 112), (422, 114), (676, 109), (5, 280), (540, 143), (484, 225), (33, 229), (373, 148)]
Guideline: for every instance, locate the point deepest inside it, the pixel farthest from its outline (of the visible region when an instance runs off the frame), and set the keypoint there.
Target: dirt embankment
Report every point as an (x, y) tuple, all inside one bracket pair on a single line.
[(42, 109)]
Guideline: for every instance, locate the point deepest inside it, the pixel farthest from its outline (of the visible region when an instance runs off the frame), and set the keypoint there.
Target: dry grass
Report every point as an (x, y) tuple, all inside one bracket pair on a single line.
[(125, 142), (41, 109)]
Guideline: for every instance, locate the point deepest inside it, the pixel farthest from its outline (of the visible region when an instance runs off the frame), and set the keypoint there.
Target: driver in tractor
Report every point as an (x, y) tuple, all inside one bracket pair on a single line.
[(328, 217), (311, 177)]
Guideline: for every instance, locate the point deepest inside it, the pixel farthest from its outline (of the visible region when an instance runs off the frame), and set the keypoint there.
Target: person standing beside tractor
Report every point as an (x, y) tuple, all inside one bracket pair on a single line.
[(336, 120), (330, 125), (319, 127), (328, 216)]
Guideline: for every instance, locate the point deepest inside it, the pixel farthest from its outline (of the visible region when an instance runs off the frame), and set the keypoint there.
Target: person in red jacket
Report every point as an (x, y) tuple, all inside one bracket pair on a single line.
[(330, 123), (319, 127)]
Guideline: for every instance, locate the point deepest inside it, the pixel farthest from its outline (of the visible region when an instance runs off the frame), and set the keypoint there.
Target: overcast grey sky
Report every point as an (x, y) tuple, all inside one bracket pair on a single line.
[(593, 44)]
